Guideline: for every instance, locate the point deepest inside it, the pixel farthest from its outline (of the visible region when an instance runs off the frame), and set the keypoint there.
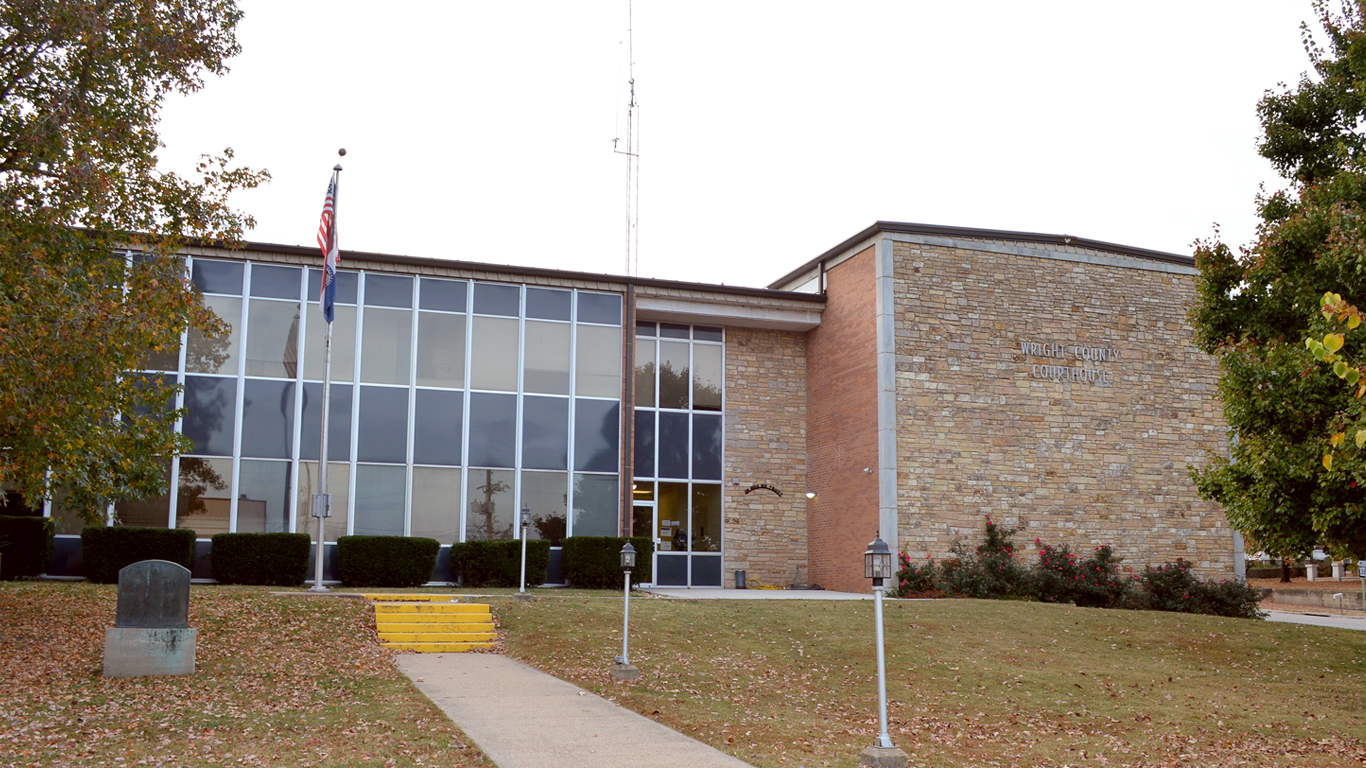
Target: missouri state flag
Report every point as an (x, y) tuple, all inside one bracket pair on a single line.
[(327, 241)]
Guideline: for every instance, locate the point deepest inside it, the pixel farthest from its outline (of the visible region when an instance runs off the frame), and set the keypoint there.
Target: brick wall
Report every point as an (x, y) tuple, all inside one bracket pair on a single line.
[(765, 443), (1068, 461), (842, 437)]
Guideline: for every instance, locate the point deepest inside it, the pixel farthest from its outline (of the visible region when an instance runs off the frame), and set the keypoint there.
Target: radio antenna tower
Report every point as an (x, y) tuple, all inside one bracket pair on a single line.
[(632, 153)]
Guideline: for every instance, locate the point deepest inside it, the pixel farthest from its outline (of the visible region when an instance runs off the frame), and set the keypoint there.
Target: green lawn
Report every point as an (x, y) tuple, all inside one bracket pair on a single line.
[(970, 683), (301, 681)]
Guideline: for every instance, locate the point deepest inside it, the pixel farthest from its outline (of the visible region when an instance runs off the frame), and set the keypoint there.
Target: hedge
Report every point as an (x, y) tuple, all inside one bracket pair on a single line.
[(25, 546), (594, 562), (386, 561), (106, 551), (499, 563), (273, 559)]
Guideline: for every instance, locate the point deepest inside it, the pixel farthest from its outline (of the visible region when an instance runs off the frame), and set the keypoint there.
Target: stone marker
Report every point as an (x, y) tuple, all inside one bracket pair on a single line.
[(151, 633)]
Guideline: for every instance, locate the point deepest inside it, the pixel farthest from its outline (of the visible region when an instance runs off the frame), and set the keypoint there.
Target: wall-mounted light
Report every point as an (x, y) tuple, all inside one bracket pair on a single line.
[(810, 494)]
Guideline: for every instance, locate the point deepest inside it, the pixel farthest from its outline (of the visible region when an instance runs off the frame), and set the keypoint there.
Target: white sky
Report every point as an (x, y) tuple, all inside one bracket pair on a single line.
[(769, 131)]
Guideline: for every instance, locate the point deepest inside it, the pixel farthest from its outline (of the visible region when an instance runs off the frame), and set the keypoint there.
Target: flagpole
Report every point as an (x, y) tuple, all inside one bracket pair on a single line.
[(322, 502)]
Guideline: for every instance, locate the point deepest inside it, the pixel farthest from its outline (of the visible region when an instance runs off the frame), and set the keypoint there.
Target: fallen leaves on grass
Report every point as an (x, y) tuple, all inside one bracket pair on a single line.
[(279, 681)]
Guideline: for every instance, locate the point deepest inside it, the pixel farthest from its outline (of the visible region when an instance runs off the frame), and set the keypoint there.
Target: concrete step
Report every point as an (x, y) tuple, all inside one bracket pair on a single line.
[(431, 608), (435, 618)]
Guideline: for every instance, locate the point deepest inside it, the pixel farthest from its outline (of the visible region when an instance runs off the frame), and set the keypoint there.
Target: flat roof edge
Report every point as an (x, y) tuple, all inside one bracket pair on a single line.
[(938, 230), (474, 266)]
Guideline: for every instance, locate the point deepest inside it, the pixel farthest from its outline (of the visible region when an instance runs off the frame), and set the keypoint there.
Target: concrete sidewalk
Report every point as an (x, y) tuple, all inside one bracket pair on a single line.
[(524, 718)]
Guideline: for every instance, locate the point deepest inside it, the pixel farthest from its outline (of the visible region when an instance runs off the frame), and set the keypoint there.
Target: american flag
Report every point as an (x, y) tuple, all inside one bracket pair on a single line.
[(327, 241)]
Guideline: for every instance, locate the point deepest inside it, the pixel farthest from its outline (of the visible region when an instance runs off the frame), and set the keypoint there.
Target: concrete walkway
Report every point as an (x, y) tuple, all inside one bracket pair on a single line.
[(523, 718)]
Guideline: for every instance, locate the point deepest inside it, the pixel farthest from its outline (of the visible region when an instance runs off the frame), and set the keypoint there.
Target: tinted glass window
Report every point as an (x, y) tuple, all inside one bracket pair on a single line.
[(547, 358), (440, 350), (338, 430), (673, 445), (597, 430), (263, 497), (343, 344), (272, 338), (645, 444), (545, 432), (645, 329), (271, 282), (209, 407), (671, 331), (218, 276), (597, 370), (496, 299), (674, 377), (493, 354), (379, 500), (268, 419), (385, 346), (600, 308), (705, 333), (436, 503), (645, 375), (490, 514), (544, 495), (547, 304), (447, 295), (383, 424), (595, 505), (706, 377), (388, 291), (706, 446), (436, 430), (493, 430), (348, 284), (216, 355)]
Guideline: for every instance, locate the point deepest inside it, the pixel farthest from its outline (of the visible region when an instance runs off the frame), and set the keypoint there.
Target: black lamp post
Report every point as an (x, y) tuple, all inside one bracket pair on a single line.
[(624, 669), (877, 565)]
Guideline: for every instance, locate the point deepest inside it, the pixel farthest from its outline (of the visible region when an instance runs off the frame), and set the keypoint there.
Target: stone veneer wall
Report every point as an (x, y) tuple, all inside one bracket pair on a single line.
[(1070, 462), (765, 442), (842, 403)]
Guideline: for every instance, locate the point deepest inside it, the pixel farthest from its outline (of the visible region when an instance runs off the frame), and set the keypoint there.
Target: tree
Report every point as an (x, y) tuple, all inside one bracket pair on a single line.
[(81, 82), (1254, 308)]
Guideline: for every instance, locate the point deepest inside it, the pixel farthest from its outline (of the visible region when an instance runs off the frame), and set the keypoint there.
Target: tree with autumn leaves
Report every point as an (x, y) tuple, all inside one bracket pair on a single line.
[(90, 284), (1255, 308)]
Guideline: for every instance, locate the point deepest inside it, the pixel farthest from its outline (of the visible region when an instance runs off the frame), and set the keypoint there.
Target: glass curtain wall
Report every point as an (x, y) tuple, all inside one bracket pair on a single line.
[(679, 401), (454, 403)]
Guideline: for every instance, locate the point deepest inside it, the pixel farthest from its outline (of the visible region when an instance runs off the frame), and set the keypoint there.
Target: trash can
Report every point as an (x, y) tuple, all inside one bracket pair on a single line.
[(740, 580)]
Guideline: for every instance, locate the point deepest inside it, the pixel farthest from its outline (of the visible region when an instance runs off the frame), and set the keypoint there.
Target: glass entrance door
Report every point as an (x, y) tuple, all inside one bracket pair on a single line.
[(643, 523)]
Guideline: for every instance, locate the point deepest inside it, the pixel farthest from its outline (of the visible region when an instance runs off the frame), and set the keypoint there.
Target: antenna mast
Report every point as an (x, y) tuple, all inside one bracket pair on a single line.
[(632, 154)]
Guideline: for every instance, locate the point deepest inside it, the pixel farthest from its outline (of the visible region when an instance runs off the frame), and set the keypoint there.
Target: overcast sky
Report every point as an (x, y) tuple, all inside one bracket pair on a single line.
[(768, 131)]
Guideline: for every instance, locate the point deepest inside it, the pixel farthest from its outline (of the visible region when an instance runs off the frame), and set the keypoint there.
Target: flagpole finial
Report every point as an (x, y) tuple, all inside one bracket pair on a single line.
[(337, 167), (342, 151)]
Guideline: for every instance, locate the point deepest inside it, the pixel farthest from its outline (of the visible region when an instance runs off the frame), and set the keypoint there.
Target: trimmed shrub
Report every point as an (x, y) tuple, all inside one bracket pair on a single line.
[(273, 559), (498, 563), (106, 551), (594, 562), (386, 561), (25, 546)]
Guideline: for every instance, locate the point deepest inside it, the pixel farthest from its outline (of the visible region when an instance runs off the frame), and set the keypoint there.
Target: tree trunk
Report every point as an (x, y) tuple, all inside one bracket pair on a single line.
[(1285, 571)]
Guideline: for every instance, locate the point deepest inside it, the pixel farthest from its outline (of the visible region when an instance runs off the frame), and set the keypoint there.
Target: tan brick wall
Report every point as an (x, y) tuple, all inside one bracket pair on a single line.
[(842, 407), (1070, 462), (765, 443)]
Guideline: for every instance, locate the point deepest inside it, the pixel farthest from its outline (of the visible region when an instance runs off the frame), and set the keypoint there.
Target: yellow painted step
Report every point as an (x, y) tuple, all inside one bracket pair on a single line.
[(438, 637), (439, 647), (434, 618), (466, 608), (434, 626)]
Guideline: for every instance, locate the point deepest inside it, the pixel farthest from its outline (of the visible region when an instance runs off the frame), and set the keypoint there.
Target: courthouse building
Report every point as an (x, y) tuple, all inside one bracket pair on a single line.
[(908, 382)]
